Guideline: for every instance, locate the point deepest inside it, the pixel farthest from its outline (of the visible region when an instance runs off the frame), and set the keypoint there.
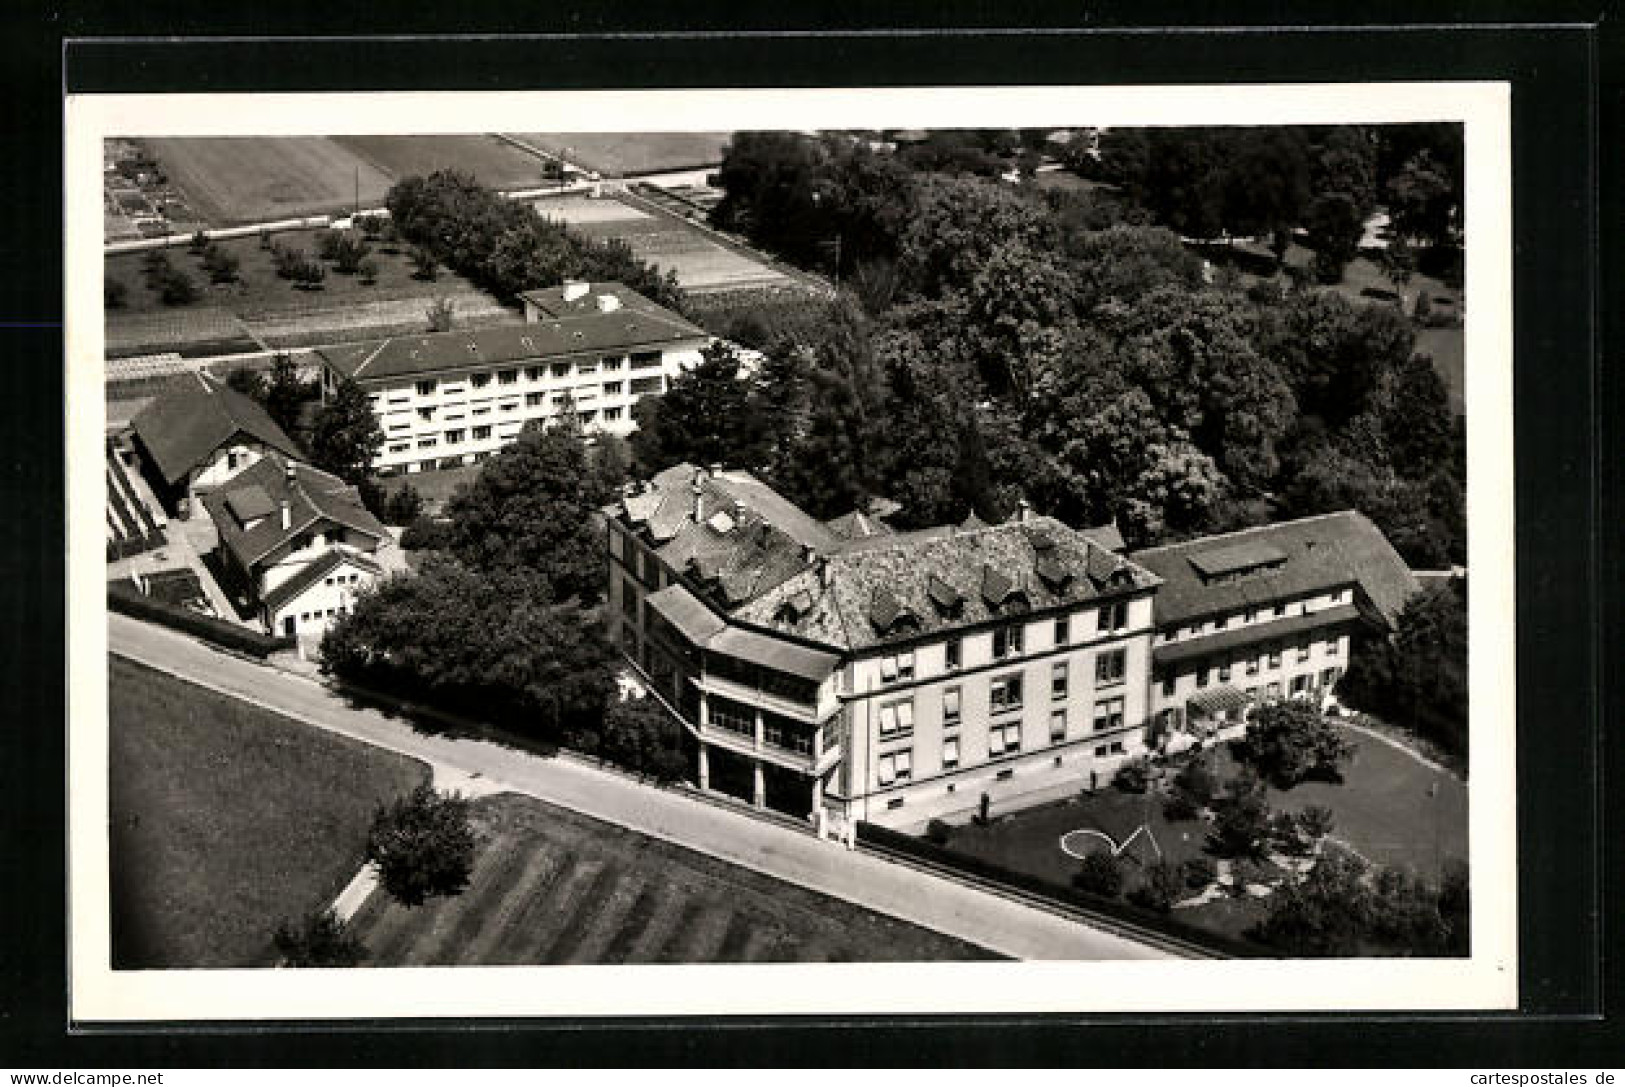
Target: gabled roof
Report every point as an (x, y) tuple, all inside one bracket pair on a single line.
[(184, 427), (629, 328), (1317, 554), (295, 586), (313, 498), (858, 525)]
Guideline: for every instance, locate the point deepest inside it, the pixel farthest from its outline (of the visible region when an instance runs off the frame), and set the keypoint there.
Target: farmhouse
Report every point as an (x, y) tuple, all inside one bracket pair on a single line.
[(842, 670), (199, 434), (453, 398), (298, 540)]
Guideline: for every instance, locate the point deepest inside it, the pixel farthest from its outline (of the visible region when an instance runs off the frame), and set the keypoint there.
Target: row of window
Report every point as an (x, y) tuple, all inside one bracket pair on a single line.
[(343, 579), (1004, 695), (1252, 665), (1007, 642), (307, 616), (897, 767), (510, 376), (1249, 615), (483, 433)]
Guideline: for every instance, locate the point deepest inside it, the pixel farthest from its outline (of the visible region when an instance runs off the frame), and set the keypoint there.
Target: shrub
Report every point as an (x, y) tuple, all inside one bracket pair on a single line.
[(221, 265), (1246, 870), (114, 293), (328, 243), (289, 260), (1291, 741), (348, 254), (1134, 776), (322, 939), (1315, 822), (1101, 874), (425, 534), (1198, 872), (1179, 807), (937, 832), (639, 735), (127, 599), (371, 225), (177, 288), (1158, 890), (403, 507), (310, 275), (1243, 823), (423, 845), (1288, 836), (1196, 781)]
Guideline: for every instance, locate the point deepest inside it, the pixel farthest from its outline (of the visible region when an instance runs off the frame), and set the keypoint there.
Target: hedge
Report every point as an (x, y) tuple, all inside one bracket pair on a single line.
[(134, 545), (127, 599), (885, 838)]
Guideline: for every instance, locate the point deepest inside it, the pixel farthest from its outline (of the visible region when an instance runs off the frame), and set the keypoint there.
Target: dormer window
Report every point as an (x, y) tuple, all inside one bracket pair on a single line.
[(948, 599)]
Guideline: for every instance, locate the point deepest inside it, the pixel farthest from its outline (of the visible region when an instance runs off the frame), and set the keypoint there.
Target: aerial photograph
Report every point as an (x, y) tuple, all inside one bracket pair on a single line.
[(795, 546)]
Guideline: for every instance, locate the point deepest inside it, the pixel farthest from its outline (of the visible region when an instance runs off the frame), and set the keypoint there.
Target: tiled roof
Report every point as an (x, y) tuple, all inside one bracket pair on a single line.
[(296, 585), (552, 302), (1254, 634), (858, 525), (1320, 554), (622, 330), (779, 569), (188, 423), (312, 495)]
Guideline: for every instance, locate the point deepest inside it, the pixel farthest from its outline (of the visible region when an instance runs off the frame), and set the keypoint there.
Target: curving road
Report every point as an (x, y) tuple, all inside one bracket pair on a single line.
[(996, 923)]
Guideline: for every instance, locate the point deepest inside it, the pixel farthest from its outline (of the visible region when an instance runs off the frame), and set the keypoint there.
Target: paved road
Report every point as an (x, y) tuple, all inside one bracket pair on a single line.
[(996, 923)]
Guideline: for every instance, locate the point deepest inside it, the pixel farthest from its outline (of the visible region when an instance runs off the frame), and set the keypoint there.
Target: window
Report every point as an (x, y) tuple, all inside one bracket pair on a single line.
[(560, 399), (1331, 646), (428, 443), (950, 654), (426, 388), (1252, 694), (629, 599), (480, 381), (1300, 684), (329, 581), (1337, 596), (1004, 775), (425, 413), (610, 364), (899, 667), (1114, 616), (1007, 641), (641, 385), (896, 766), (1057, 680), (1224, 672), (1117, 747), (1250, 615), (897, 718), (481, 433), (614, 388), (1202, 676), (612, 413), (950, 706), (1168, 686), (1280, 610), (1110, 668), (1303, 650), (1004, 694), (231, 460), (511, 405), (1275, 656), (1063, 630), (507, 377), (453, 437), (1109, 714), (535, 400), (1003, 739), (1328, 678), (1057, 726), (1273, 691), (1220, 622), (1100, 751), (1252, 666), (645, 360), (400, 447), (950, 753), (561, 369), (733, 716), (533, 373)]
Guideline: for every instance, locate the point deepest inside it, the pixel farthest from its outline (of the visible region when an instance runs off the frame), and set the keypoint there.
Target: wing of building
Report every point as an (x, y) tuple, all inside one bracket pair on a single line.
[(198, 434), (445, 399), (854, 672)]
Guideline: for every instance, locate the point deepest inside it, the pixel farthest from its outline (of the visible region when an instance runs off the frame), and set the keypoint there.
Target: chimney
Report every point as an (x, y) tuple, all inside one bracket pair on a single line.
[(575, 289), (608, 303), (287, 515), (698, 488), (823, 572), (1024, 511)]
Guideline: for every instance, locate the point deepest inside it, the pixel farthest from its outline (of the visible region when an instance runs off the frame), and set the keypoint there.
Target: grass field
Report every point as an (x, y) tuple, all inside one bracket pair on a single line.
[(231, 180), (226, 819), (494, 163), (632, 154), (551, 887)]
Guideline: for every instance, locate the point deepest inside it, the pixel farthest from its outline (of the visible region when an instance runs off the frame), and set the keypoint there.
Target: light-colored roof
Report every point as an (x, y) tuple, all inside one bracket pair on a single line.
[(183, 427)]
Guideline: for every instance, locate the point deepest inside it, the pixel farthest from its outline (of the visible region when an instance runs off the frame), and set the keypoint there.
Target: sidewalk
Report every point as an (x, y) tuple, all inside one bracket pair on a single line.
[(999, 924)]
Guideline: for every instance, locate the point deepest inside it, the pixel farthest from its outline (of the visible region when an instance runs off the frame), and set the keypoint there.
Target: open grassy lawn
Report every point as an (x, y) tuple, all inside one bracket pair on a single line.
[(552, 887), (231, 180), (226, 819), (629, 154)]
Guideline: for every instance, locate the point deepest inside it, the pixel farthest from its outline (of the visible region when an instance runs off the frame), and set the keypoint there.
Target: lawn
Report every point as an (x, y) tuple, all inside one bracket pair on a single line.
[(551, 887), (631, 154), (232, 180), (226, 818), (1390, 809)]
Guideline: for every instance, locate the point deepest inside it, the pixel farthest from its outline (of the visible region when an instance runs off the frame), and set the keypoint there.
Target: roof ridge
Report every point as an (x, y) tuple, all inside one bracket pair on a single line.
[(364, 363), (1251, 528)]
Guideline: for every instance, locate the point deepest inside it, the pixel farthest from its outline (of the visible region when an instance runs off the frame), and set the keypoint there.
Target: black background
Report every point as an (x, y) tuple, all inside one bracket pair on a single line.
[(1566, 134)]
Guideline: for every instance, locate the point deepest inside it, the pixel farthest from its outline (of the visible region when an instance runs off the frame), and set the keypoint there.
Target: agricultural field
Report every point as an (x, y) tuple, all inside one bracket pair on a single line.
[(633, 154), (226, 819), (551, 887), (232, 180), (494, 162), (702, 263)]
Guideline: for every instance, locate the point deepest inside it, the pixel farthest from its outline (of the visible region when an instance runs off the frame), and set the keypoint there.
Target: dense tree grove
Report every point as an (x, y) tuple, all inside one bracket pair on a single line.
[(1343, 907), (1419, 679), (504, 245), (995, 342)]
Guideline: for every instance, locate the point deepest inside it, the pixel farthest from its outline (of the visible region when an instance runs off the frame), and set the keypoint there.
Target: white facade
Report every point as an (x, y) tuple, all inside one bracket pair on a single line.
[(316, 609)]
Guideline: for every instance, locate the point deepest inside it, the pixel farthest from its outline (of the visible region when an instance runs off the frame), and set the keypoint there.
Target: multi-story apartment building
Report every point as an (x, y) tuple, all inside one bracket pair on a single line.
[(848, 672), (1263, 614), (451, 398)]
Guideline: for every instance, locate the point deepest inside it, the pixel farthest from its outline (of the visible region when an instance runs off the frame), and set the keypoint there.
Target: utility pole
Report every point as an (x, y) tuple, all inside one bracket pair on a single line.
[(355, 211)]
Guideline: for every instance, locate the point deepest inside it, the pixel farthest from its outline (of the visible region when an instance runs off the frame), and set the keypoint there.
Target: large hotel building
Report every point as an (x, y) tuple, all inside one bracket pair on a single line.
[(842, 671), (446, 399)]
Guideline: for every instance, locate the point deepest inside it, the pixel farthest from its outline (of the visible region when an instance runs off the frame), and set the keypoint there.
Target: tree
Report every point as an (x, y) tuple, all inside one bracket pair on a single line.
[(1160, 888), (320, 940), (1328, 912), (114, 293), (176, 288), (1422, 201), (1196, 780), (248, 381), (1418, 678), (404, 506), (1124, 263), (535, 507), (284, 392), (440, 315), (1242, 826), (640, 735), (1101, 874), (221, 265), (422, 845), (1335, 229), (707, 416), (958, 222), (346, 437), (1266, 183), (1291, 741)]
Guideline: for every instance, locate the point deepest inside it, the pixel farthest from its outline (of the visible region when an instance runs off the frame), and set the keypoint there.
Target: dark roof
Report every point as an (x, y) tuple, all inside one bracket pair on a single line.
[(625, 329), (1236, 558), (694, 620), (858, 525), (552, 302), (184, 427), (1254, 634), (1321, 553), (1107, 536), (705, 629), (296, 585), (249, 503), (313, 497)]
